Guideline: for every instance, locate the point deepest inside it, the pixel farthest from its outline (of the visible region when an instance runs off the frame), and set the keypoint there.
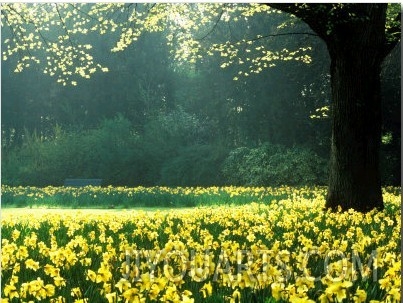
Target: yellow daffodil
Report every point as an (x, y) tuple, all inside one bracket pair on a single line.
[(76, 292), (59, 281), (15, 235), (123, 285), (11, 291), (103, 275), (132, 295), (112, 297), (22, 253), (50, 290), (338, 290), (206, 290), (91, 275), (34, 265), (360, 296)]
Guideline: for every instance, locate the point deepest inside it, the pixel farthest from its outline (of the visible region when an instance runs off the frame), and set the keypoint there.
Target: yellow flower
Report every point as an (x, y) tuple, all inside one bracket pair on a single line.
[(50, 290), (51, 270), (112, 297), (154, 291), (14, 279), (360, 296), (236, 296), (107, 288), (31, 241), (162, 282), (186, 297), (36, 289), (338, 289), (32, 264), (276, 290), (123, 285), (91, 275), (206, 290), (86, 261), (22, 253), (395, 294), (251, 237), (385, 283), (76, 292), (298, 299), (59, 281), (59, 299), (132, 295), (310, 233), (171, 294), (71, 258), (16, 234), (144, 282), (103, 275), (245, 280), (11, 291)]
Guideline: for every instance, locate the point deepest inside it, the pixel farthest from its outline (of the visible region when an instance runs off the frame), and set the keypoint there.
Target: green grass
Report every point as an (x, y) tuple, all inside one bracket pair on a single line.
[(148, 197)]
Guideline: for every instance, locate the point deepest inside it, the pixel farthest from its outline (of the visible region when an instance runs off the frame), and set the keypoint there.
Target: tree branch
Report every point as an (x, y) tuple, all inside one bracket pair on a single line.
[(64, 25), (312, 14), (83, 12), (16, 32), (213, 28), (283, 34)]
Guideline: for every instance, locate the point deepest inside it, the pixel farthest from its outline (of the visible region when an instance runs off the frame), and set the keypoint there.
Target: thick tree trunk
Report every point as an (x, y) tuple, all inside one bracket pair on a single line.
[(354, 180), (355, 37), (356, 56)]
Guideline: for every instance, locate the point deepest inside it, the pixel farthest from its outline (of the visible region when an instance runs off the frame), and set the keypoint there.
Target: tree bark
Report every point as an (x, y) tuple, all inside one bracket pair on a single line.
[(354, 175), (356, 52)]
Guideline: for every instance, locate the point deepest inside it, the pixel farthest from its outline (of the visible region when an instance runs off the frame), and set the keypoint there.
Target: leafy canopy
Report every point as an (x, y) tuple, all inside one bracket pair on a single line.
[(54, 35)]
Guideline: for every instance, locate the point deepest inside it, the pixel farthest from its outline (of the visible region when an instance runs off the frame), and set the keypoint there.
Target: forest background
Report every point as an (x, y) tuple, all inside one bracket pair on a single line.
[(154, 119)]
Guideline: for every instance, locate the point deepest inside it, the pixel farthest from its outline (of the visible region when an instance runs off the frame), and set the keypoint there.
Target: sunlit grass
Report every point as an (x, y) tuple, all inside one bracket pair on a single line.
[(288, 250), (128, 197)]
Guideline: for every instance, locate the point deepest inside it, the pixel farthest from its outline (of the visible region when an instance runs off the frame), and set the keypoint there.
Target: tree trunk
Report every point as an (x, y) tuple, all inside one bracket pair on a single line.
[(355, 36), (356, 56), (354, 180)]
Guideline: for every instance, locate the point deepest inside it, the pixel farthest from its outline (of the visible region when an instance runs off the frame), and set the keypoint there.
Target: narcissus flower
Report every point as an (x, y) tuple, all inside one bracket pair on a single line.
[(206, 290), (338, 290), (34, 265), (360, 296), (11, 291)]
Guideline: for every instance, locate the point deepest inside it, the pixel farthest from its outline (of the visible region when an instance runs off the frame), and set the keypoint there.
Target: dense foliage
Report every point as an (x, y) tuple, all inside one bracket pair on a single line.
[(289, 250), (274, 165)]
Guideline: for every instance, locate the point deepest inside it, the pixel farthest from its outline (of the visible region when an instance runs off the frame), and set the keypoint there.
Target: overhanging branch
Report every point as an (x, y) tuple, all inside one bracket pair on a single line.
[(283, 34), (213, 28)]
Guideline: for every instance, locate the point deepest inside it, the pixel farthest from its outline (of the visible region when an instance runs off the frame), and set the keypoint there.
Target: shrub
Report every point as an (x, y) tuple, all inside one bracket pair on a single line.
[(273, 165), (109, 152), (197, 165)]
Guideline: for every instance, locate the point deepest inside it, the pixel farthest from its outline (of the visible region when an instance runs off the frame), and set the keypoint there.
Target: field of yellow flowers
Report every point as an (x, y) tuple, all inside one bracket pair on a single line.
[(288, 250)]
